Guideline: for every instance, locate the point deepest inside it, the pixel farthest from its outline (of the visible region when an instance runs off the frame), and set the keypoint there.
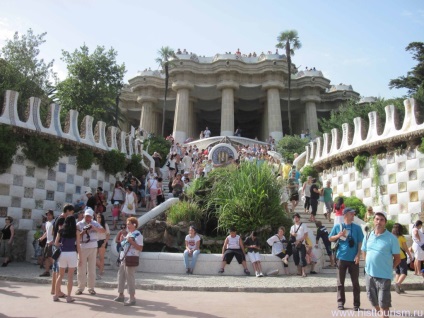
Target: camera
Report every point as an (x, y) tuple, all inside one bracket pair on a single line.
[(351, 242), (87, 227)]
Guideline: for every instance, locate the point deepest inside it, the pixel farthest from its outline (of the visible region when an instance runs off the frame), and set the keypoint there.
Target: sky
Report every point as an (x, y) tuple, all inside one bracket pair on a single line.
[(361, 43)]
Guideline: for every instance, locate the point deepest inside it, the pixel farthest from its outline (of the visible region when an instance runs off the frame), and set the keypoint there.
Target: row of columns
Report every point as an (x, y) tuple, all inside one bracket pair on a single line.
[(185, 117)]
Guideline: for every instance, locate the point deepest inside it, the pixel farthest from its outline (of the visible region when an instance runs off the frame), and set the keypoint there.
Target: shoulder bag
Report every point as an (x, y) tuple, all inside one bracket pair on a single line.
[(130, 261), (335, 244)]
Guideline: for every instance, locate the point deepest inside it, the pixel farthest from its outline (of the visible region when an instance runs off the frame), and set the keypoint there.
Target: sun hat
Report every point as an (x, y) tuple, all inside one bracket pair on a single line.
[(89, 212)]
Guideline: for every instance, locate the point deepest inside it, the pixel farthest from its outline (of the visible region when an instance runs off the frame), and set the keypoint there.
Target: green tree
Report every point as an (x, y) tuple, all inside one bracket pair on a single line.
[(165, 54), (289, 40), (414, 78), (22, 70), (93, 83), (158, 144), (289, 145)]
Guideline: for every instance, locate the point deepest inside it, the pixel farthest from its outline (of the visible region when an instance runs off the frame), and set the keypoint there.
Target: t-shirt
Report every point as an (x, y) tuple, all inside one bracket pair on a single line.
[(249, 241), (401, 240), (138, 237), (301, 230), (49, 230), (380, 250), (293, 186), (328, 194), (93, 234), (314, 195), (322, 233), (278, 245), (354, 232), (58, 223), (192, 241)]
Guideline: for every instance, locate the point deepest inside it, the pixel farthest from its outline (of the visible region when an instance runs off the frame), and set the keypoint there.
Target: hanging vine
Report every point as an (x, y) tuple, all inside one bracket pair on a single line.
[(376, 176)]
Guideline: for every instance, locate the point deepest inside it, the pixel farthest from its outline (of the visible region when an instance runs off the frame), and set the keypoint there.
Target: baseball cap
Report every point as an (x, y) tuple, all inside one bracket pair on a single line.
[(116, 203), (347, 210), (383, 214), (89, 212)]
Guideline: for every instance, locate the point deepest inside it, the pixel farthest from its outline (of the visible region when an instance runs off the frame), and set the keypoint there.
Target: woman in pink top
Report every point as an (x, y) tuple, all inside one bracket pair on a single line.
[(338, 211)]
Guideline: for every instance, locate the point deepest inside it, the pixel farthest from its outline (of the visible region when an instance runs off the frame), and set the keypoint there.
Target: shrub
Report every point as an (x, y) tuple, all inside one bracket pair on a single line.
[(421, 147), (43, 152), (389, 226), (135, 166), (184, 211), (85, 158), (355, 203), (289, 145), (158, 144), (114, 161), (308, 171), (360, 161), (8, 147)]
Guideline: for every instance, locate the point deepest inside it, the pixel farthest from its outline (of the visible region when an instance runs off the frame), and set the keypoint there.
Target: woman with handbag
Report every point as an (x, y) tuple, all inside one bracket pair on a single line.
[(130, 203), (7, 234), (132, 245), (68, 242)]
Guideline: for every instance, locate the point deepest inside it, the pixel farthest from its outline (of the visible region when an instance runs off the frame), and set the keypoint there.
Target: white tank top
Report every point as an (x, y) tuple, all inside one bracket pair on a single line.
[(233, 242)]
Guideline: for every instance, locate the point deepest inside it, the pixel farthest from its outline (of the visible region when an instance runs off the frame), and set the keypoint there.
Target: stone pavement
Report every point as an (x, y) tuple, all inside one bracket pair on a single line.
[(27, 272)]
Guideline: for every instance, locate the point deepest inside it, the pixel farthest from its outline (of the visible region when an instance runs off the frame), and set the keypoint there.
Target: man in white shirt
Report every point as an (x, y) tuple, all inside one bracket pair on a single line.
[(87, 258), (298, 235), (207, 132), (48, 249)]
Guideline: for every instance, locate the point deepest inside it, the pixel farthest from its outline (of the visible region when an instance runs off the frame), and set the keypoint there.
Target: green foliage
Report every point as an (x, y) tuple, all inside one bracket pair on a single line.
[(421, 147), (289, 145), (247, 197), (158, 144), (43, 152), (355, 203), (93, 84), (114, 161), (8, 147), (184, 211), (376, 176), (85, 158), (135, 166), (308, 171), (348, 111), (389, 226), (360, 161)]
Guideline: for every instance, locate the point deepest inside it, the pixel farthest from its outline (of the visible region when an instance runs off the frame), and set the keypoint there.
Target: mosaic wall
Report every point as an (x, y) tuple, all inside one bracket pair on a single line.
[(26, 191), (401, 190)]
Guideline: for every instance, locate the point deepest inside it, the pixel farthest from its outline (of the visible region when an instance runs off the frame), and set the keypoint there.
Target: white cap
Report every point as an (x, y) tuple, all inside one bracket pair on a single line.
[(115, 203), (89, 211)]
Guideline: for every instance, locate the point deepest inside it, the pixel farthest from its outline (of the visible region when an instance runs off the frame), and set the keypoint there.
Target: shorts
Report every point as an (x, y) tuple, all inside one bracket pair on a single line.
[(329, 206), (254, 257), (48, 251), (402, 268), (229, 254), (378, 291), (68, 259), (282, 255), (100, 243), (294, 197), (6, 248)]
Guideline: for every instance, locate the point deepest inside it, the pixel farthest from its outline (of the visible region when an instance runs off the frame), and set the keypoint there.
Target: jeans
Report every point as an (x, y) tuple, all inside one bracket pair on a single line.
[(193, 259), (343, 267)]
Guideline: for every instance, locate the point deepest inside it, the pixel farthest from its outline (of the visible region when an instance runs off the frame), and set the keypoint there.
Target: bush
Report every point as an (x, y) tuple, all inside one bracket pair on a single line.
[(289, 145), (158, 144), (389, 226), (43, 152), (356, 204), (184, 211), (421, 147), (360, 161), (8, 147), (308, 171), (135, 166), (85, 158), (114, 161)]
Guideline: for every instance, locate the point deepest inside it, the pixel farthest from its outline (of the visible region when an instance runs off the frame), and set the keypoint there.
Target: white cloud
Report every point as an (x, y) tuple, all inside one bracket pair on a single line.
[(6, 30)]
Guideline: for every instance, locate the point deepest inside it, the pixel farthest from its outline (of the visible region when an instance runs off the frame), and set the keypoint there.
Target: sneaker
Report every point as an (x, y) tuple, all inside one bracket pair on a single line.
[(129, 303), (261, 274), (45, 274), (402, 291), (91, 291), (246, 271), (397, 288), (341, 307), (257, 274), (188, 271), (78, 292), (221, 271), (119, 299), (314, 272)]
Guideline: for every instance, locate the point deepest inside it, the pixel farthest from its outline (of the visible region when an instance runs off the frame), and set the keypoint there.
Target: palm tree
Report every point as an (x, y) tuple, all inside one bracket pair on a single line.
[(289, 41), (165, 53)]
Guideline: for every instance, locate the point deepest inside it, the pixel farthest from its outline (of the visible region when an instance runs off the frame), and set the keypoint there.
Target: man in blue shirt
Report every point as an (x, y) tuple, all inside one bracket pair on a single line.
[(382, 254), (348, 253)]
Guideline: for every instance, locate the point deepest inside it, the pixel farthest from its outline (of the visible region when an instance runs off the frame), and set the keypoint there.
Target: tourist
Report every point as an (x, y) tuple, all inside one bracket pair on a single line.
[(328, 200), (177, 186), (115, 214), (322, 233), (187, 163), (172, 164), (286, 170), (369, 216), (160, 198), (339, 206), (233, 246), (293, 187), (88, 229), (136, 185), (281, 248), (130, 203), (118, 193), (349, 237), (381, 254), (100, 201), (132, 245), (91, 200), (207, 132), (102, 242), (315, 193), (48, 249), (307, 193), (8, 234), (201, 135), (402, 268), (192, 244), (418, 245), (237, 133), (120, 237), (152, 185), (68, 240), (157, 158), (298, 235), (253, 247)]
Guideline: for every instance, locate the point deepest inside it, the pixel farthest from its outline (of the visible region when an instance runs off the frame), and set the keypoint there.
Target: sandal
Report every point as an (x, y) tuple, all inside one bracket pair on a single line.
[(246, 271), (91, 291), (56, 298), (221, 271), (69, 299), (304, 275)]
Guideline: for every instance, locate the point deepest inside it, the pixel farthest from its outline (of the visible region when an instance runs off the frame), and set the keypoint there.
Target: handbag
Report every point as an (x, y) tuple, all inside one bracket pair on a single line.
[(43, 242), (132, 261), (56, 254), (129, 206)]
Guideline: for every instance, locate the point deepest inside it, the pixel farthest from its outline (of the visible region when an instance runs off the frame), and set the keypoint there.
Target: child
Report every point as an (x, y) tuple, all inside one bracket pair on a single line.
[(253, 247), (323, 234), (233, 246), (115, 214), (280, 248)]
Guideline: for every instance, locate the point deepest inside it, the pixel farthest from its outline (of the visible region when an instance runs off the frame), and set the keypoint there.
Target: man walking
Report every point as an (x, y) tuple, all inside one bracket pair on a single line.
[(350, 237), (87, 267), (48, 249), (382, 254)]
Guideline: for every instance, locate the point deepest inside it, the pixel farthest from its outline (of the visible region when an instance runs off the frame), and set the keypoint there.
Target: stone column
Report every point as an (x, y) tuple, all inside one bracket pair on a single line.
[(191, 120), (146, 117), (181, 117), (227, 107), (311, 118), (275, 126)]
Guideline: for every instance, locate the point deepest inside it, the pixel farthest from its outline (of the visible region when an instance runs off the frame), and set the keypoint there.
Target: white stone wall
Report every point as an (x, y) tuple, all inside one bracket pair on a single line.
[(27, 192)]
